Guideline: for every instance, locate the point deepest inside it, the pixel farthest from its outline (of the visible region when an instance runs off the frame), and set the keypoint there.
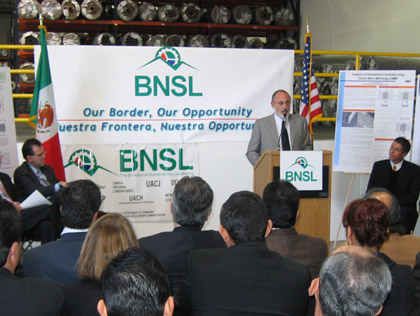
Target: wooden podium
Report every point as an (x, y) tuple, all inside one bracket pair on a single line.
[(314, 218)]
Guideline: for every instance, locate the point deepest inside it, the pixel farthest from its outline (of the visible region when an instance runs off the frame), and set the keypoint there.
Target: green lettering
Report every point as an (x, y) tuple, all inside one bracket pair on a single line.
[(144, 156), (181, 161), (190, 87), (170, 160), (157, 82), (179, 85), (128, 160), (138, 85)]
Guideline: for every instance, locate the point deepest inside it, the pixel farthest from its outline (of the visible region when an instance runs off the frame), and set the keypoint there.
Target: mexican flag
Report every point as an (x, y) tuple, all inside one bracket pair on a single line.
[(43, 115)]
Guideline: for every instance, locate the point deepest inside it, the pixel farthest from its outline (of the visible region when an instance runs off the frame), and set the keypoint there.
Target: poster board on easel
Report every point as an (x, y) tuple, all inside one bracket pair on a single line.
[(374, 107), (8, 150)]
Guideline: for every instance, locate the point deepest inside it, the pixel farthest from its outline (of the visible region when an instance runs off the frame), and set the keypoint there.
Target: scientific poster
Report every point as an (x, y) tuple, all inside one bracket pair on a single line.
[(8, 151), (374, 107)]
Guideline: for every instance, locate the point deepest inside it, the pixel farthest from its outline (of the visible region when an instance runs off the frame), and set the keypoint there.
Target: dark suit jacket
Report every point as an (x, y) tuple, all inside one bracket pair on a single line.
[(27, 182), (308, 250), (173, 248), (265, 136), (245, 279), (407, 187), (25, 296), (81, 298), (401, 300), (31, 216), (55, 260)]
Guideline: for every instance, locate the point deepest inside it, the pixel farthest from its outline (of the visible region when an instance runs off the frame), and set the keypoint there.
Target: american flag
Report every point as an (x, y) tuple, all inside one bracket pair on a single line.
[(311, 109)]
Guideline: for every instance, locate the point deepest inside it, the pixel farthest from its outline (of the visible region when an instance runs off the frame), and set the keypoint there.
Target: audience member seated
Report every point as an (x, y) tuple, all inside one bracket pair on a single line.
[(282, 201), (80, 202), (245, 278), (22, 296), (34, 174), (191, 206), (399, 247), (106, 238), (352, 282), (367, 225), (135, 283), (37, 222)]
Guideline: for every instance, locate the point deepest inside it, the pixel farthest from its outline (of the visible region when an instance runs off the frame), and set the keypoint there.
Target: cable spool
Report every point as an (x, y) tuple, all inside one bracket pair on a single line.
[(29, 9), (168, 13), (286, 43), (190, 13), (175, 40), (71, 39), (27, 78), (284, 17), (104, 39), (127, 10), (51, 9), (255, 43), (71, 9), (131, 39), (221, 40), (92, 9), (53, 38), (25, 106), (264, 15), (147, 12), (326, 88), (155, 40), (220, 14), (198, 40), (242, 14), (29, 38), (239, 41)]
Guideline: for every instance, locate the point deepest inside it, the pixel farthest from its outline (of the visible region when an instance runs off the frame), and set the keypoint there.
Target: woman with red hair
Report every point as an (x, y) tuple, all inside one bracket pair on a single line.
[(367, 225)]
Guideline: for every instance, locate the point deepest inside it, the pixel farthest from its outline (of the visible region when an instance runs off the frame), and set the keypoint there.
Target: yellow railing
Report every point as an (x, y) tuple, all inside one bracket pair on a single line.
[(356, 55)]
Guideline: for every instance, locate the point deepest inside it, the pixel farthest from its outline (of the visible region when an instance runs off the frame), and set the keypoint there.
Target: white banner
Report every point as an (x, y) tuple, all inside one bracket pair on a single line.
[(8, 151), (115, 102), (303, 169), (113, 95), (374, 108), (135, 180)]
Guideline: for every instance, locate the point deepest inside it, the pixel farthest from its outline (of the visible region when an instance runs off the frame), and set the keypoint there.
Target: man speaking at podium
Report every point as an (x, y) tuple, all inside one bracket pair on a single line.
[(279, 131)]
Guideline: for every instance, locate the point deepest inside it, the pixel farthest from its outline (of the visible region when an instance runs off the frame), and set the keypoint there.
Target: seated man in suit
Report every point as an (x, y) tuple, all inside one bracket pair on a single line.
[(402, 178), (282, 201), (279, 131), (80, 202), (34, 174), (246, 278), (191, 204), (37, 221), (352, 282), (135, 283), (22, 296), (399, 247)]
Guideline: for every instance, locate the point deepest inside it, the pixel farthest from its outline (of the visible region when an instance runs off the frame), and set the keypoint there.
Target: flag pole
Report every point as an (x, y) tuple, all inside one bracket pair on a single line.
[(308, 34)]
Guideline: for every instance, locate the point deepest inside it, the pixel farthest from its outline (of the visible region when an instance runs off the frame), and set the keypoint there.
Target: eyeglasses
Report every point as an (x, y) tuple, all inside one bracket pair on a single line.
[(40, 154)]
